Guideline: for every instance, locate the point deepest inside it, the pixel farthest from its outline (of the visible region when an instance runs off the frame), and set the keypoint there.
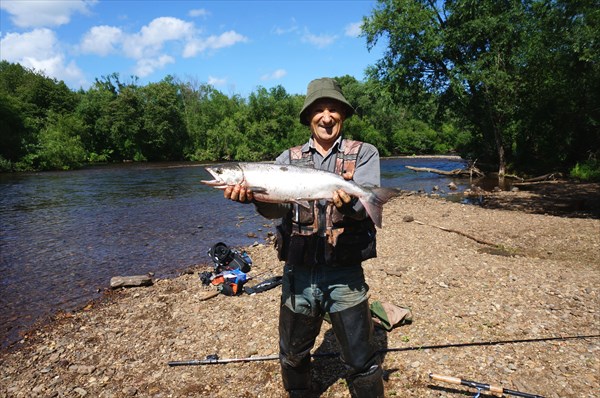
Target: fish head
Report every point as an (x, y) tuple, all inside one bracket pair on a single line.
[(224, 175)]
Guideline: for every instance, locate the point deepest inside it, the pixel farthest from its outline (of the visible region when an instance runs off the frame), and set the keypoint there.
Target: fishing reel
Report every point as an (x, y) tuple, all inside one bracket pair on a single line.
[(226, 259)]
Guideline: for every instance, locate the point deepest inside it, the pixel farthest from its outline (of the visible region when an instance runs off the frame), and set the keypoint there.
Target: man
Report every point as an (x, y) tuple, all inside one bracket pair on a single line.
[(323, 248)]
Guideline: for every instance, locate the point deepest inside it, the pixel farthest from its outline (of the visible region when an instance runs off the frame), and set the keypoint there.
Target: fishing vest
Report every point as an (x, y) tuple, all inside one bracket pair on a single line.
[(326, 220), (318, 218), (346, 241)]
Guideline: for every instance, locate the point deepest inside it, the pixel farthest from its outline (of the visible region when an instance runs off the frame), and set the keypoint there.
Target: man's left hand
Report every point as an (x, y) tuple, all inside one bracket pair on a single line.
[(343, 202)]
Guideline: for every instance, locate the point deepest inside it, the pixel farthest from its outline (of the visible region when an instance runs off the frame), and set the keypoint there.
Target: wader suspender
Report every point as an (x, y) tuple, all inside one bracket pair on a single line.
[(321, 219)]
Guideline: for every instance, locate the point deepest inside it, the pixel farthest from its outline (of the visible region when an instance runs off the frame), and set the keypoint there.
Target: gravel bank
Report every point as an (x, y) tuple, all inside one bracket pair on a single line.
[(540, 279)]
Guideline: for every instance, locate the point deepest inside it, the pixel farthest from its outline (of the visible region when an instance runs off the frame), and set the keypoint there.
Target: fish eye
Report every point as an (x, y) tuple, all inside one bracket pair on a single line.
[(219, 171)]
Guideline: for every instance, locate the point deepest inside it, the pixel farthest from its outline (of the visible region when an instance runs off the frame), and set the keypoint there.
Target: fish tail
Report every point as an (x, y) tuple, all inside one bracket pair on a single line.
[(375, 200)]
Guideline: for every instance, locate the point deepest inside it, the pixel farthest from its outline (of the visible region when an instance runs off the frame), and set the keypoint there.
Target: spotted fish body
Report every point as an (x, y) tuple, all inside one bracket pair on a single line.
[(276, 183)]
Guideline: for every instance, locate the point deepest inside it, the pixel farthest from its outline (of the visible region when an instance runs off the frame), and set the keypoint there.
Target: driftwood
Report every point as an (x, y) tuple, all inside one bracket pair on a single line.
[(208, 295), (130, 281), (478, 240), (470, 172), (542, 178)]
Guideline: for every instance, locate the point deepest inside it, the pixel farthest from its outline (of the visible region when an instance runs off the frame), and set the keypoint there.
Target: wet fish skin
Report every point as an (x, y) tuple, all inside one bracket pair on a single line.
[(275, 183)]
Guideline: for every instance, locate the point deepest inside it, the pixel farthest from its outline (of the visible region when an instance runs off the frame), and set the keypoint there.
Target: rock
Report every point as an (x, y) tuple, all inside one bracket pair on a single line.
[(129, 391), (130, 281), (452, 186)]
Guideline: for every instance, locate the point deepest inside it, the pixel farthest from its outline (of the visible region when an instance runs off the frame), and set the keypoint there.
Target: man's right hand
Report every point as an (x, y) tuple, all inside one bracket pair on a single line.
[(238, 193)]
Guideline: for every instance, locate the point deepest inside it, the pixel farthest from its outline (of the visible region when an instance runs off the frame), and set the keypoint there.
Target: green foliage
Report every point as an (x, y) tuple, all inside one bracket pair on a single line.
[(5, 165), (521, 76), (171, 120), (414, 137), (59, 145), (163, 129), (12, 128), (588, 170), (510, 82)]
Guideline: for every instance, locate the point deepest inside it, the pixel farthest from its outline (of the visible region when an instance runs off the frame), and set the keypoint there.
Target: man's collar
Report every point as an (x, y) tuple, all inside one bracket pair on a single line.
[(310, 145)]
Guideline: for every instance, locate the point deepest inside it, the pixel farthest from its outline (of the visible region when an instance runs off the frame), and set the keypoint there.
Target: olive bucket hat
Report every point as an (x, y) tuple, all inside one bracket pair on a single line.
[(324, 88)]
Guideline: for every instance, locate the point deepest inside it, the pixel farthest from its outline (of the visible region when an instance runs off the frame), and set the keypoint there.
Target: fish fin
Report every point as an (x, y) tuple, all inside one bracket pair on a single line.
[(374, 202), (258, 190), (302, 203)]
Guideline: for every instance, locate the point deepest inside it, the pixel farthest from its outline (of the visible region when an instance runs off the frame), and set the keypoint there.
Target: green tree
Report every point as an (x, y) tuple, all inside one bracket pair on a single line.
[(58, 145), (126, 121), (28, 102), (559, 106), (164, 134), (273, 122), (522, 75), (205, 108), (94, 109), (464, 50), (12, 129)]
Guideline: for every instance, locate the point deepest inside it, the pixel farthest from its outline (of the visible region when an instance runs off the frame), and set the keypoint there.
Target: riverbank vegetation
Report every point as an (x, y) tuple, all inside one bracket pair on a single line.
[(513, 85)]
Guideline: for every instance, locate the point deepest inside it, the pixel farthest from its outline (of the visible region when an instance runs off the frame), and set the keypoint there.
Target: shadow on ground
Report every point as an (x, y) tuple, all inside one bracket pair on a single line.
[(557, 198)]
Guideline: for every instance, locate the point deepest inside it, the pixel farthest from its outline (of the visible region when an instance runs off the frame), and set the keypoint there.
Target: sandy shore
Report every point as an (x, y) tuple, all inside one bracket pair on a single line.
[(469, 274)]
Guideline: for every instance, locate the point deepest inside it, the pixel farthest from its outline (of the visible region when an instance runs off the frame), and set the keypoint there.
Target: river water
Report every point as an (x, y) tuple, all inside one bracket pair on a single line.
[(63, 235)]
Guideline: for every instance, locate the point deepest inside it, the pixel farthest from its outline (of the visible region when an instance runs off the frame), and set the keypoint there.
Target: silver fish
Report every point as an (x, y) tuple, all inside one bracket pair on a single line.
[(276, 183)]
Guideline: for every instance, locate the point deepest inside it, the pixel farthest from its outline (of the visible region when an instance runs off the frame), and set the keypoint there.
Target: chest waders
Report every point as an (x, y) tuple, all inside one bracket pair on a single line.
[(353, 327)]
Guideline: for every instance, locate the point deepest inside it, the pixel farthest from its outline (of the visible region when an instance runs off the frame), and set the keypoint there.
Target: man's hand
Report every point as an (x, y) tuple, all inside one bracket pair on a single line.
[(238, 193), (343, 202)]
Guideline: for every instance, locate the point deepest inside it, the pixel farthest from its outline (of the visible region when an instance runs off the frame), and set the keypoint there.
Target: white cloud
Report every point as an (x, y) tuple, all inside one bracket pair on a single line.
[(275, 75), (146, 46), (216, 81), (150, 46), (226, 39), (152, 37), (101, 40), (198, 13), (39, 42), (38, 13), (147, 66), (353, 29), (41, 51), (320, 41), (282, 31)]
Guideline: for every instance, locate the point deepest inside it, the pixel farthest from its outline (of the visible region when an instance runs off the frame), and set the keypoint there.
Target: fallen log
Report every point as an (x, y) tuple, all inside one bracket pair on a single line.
[(470, 172), (542, 178)]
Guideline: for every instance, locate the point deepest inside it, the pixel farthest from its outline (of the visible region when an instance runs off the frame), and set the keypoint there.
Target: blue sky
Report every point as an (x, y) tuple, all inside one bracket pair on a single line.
[(236, 46)]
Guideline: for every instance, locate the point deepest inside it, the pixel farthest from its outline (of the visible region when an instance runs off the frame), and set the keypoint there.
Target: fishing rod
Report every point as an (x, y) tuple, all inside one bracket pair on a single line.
[(490, 343), (482, 386), (214, 359)]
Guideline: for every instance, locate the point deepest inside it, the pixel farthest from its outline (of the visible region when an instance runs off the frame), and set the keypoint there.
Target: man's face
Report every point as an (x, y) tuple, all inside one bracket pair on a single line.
[(326, 120)]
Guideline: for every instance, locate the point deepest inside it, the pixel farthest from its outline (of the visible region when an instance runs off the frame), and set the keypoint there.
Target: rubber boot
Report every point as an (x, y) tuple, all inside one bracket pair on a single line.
[(368, 384), (297, 335), (353, 328)]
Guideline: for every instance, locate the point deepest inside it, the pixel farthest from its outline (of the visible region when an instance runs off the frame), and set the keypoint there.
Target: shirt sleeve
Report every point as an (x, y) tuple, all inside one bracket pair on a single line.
[(367, 172)]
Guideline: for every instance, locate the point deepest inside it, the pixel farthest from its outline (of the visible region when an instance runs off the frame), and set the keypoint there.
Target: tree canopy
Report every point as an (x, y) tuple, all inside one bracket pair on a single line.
[(522, 77), (514, 84)]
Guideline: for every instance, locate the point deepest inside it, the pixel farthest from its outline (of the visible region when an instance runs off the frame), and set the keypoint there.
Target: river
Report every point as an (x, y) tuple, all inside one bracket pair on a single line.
[(65, 234)]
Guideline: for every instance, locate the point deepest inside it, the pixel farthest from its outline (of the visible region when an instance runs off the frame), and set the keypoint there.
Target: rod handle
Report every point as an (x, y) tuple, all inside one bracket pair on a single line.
[(447, 379)]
